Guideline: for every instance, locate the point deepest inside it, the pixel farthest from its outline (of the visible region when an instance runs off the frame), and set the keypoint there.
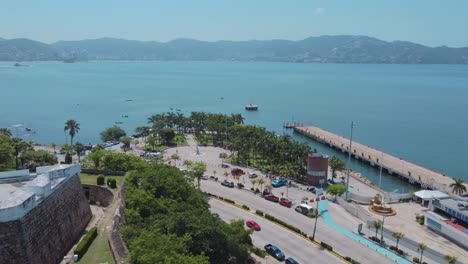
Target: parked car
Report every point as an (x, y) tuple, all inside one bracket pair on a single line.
[(291, 261), (278, 183), (285, 202), (274, 251), (252, 224), (271, 197), (303, 209), (224, 165), (252, 175), (227, 183), (205, 177)]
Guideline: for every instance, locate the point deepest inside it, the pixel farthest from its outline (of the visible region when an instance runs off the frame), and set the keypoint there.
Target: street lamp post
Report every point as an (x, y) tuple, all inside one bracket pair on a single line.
[(349, 161)]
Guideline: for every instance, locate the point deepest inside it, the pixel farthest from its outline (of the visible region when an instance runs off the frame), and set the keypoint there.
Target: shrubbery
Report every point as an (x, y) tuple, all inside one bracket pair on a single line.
[(229, 201), (86, 242), (420, 219), (245, 207), (373, 238), (325, 245), (260, 213), (259, 252), (352, 261), (399, 251), (113, 183), (416, 260), (240, 185), (100, 180), (274, 219)]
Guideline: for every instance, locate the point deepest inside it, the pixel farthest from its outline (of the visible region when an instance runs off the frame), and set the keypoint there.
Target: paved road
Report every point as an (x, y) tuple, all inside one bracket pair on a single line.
[(340, 242), (291, 244)]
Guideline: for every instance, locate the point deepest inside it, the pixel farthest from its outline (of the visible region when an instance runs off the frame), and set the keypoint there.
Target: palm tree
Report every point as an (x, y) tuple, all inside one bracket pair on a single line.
[(315, 213), (398, 236), (422, 247), (458, 187), (260, 182), (72, 127), (336, 165), (450, 259), (79, 148), (269, 188), (377, 225), (254, 181), (53, 145)]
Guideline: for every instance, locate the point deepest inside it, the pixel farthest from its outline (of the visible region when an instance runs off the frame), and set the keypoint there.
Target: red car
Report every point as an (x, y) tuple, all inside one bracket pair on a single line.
[(253, 224), (285, 202), (271, 197)]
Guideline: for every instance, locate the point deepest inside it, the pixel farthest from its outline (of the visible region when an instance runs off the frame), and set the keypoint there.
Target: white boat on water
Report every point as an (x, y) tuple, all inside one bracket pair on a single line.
[(251, 107)]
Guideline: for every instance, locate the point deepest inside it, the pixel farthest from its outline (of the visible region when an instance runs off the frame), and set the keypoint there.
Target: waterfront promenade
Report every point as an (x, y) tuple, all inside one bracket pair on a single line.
[(413, 173)]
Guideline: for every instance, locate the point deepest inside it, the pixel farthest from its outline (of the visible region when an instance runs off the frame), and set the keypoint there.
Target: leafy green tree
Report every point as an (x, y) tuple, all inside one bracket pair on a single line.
[(96, 157), (115, 161), (167, 134), (336, 189), (458, 187), (5, 131), (336, 164), (196, 171), (20, 146), (168, 221), (53, 145), (112, 133), (398, 236), (126, 141), (72, 127), (6, 152), (31, 159)]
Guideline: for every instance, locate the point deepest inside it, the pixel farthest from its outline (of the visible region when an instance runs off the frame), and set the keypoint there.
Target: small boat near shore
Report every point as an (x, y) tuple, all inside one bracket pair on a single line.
[(251, 107)]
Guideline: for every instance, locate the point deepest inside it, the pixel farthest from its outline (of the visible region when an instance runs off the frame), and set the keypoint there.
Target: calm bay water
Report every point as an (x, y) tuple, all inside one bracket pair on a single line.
[(416, 112)]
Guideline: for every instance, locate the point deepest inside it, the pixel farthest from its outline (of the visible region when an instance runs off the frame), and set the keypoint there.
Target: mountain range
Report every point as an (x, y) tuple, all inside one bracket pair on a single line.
[(322, 49)]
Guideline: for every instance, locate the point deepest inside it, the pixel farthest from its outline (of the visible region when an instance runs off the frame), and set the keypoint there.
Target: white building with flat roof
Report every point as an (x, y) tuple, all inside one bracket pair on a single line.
[(20, 191)]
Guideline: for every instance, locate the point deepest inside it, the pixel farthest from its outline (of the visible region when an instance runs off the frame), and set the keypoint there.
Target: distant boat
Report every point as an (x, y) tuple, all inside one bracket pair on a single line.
[(119, 123), (221, 98), (124, 115), (128, 100), (17, 64), (251, 107)]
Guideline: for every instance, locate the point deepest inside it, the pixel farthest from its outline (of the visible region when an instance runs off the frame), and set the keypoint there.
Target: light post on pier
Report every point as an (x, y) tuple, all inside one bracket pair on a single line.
[(349, 161)]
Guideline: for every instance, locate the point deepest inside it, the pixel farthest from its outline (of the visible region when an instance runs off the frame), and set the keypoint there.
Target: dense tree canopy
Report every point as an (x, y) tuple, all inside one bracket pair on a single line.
[(112, 133), (168, 221)]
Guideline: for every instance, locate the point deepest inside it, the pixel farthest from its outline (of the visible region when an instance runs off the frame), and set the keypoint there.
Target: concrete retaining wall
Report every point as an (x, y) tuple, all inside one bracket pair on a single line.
[(98, 195)]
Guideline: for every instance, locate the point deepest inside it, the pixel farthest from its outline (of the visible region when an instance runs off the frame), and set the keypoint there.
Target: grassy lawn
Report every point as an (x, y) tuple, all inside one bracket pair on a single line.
[(91, 179), (99, 251)]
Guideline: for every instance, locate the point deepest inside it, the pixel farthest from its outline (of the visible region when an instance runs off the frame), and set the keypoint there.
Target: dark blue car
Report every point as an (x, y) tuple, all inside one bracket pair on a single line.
[(274, 251), (291, 261)]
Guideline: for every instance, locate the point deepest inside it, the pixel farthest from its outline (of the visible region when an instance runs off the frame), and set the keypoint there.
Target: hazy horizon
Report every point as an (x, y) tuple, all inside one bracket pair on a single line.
[(431, 23)]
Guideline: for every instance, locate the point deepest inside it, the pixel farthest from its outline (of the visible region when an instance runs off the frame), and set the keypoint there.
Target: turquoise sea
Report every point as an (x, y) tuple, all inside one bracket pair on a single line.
[(416, 112)]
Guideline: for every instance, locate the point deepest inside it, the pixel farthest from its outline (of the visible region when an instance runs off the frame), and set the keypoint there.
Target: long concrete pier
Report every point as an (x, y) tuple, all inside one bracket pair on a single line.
[(413, 173)]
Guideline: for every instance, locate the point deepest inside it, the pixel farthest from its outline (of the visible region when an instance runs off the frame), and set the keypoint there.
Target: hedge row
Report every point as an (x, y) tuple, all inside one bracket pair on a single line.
[(260, 213), (84, 244), (229, 201), (274, 219), (325, 245), (352, 261), (245, 207), (397, 250)]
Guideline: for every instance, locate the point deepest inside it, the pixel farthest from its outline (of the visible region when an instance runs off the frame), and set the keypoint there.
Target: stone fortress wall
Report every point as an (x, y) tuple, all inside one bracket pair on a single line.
[(47, 231)]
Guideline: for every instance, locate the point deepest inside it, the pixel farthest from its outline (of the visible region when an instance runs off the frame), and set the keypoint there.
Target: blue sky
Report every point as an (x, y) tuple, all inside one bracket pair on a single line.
[(428, 22)]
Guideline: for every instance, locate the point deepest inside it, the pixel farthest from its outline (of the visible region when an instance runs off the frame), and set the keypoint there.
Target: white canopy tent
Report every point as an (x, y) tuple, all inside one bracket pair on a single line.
[(425, 196)]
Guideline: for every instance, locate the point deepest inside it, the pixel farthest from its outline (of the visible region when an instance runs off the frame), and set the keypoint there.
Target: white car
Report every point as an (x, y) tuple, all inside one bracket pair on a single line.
[(252, 175), (204, 177)]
